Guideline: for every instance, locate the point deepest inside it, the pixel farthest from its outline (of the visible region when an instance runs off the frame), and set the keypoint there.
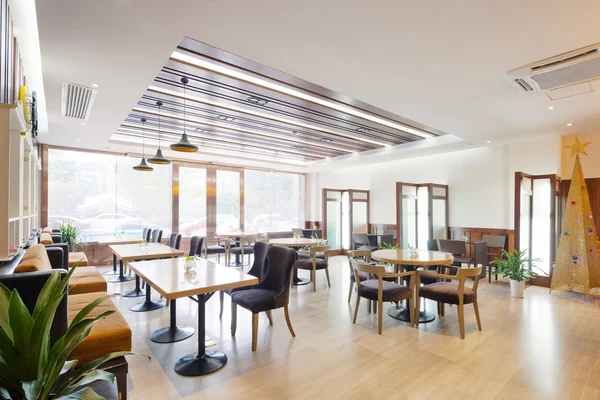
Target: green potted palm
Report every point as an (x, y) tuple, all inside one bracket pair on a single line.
[(517, 267), (70, 234), (32, 369)]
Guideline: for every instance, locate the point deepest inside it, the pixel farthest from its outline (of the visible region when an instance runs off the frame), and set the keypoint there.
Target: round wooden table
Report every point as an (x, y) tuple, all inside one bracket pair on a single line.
[(403, 258), (295, 243)]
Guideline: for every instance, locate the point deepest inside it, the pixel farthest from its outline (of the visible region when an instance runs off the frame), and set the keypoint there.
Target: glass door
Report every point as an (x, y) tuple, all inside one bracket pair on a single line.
[(332, 219), (228, 201), (191, 189)]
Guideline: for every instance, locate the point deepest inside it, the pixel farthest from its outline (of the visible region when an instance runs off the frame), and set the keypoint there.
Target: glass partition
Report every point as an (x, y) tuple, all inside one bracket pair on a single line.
[(192, 201), (541, 228), (228, 201), (422, 216), (334, 223)]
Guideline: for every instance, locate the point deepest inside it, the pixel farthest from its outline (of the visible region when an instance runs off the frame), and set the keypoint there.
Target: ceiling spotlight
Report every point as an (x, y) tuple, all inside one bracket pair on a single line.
[(294, 133), (77, 140), (326, 140), (83, 123), (362, 130), (387, 158), (551, 108), (257, 100), (224, 118), (569, 124), (489, 141)]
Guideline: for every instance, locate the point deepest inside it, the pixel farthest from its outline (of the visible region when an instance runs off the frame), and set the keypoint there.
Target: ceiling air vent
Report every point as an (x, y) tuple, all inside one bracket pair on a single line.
[(582, 65), (77, 101)]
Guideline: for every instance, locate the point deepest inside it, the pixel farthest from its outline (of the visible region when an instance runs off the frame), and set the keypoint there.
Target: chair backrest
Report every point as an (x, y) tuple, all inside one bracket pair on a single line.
[(298, 232), (387, 239), (314, 250), (432, 245), (175, 240), (360, 238), (455, 247), (357, 255), (194, 241), (156, 235), (368, 268), (494, 241), (309, 233), (148, 236), (145, 234), (259, 266), (197, 251), (280, 261)]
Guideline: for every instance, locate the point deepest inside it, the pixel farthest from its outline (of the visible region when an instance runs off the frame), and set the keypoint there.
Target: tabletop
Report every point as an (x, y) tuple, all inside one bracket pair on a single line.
[(169, 278), (108, 240), (425, 257), (128, 252), (236, 234), (295, 242)]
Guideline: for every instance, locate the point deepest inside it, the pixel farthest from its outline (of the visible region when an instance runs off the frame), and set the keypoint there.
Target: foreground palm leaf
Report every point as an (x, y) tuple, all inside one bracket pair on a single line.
[(30, 369)]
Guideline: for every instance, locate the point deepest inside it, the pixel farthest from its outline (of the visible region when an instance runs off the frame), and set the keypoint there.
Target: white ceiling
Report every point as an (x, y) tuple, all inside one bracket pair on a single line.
[(439, 63)]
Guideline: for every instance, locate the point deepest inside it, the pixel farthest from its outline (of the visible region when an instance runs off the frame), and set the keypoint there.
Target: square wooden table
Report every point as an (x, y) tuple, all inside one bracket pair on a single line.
[(133, 252), (169, 278), (108, 240)]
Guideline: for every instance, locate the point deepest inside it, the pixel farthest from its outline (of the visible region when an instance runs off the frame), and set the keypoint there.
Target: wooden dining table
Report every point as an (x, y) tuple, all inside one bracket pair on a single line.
[(115, 239), (402, 258), (169, 278), (296, 243)]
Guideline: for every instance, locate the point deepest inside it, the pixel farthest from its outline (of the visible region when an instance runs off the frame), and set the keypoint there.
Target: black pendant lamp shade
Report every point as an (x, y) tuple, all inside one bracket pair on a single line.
[(158, 157), (142, 165), (184, 144)]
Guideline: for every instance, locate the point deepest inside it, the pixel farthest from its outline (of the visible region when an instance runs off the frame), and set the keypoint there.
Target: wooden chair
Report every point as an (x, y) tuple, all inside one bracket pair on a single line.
[(458, 249), (315, 263), (446, 292), (357, 255), (380, 290), (494, 244)]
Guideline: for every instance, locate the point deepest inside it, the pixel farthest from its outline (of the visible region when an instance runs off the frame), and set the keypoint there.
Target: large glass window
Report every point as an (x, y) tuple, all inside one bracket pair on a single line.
[(228, 200), (272, 201), (192, 201), (103, 195)]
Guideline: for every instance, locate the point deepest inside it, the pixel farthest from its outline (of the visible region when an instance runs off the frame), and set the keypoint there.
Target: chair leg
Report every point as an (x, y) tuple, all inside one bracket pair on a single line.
[(221, 299), (314, 279), (439, 308), (288, 321), (233, 318), (350, 293), (122, 385), (374, 307), (476, 307), (461, 320), (254, 331), (327, 275), (380, 317), (443, 309), (417, 311), (356, 307), (369, 306), (270, 317)]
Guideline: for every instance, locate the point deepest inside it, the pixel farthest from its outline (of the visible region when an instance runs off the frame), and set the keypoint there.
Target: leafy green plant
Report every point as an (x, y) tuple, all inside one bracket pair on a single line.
[(516, 266), (192, 258), (70, 234), (31, 369), (390, 246)]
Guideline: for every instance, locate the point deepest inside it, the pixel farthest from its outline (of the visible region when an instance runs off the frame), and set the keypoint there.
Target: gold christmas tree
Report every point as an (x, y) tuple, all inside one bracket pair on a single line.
[(577, 264)]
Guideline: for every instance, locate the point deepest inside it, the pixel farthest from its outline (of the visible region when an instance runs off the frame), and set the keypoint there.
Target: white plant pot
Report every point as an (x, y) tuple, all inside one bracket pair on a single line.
[(517, 288)]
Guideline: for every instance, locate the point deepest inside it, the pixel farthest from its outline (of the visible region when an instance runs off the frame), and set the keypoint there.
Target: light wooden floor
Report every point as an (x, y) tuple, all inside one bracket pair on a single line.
[(543, 347)]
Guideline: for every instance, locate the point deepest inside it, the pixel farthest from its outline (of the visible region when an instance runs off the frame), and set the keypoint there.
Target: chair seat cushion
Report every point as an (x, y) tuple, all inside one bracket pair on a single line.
[(238, 250), (86, 280), (308, 264), (215, 250), (447, 292), (255, 300), (391, 291), (76, 257), (107, 336)]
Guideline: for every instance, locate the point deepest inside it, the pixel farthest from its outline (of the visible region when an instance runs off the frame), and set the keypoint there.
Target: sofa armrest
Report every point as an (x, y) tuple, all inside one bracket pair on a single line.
[(56, 238), (58, 255), (29, 286)]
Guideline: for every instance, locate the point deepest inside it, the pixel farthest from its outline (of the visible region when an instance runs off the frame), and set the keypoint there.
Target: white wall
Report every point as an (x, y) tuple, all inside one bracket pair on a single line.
[(480, 180)]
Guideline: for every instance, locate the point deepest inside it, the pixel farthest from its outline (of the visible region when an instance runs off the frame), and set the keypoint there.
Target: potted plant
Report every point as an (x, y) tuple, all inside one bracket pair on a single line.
[(518, 268), (32, 369), (190, 263), (70, 234)]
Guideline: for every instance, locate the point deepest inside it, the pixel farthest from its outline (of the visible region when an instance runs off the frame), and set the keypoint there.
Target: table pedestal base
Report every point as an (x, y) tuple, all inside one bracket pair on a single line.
[(195, 365), (137, 292), (172, 333), (114, 270), (121, 277), (148, 305), (401, 313)]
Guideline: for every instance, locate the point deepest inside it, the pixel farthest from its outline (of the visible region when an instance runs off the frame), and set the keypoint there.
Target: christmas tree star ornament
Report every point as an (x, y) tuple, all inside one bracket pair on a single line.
[(578, 147)]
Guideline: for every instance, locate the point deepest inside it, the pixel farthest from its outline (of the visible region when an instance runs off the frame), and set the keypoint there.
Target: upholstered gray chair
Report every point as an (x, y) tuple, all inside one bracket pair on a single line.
[(271, 293), (175, 240), (157, 235)]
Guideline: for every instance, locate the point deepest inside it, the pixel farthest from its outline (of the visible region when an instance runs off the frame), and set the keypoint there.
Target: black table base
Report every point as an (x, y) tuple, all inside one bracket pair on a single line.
[(148, 305), (203, 362), (172, 333), (114, 270), (137, 292), (297, 281), (121, 277), (403, 314)]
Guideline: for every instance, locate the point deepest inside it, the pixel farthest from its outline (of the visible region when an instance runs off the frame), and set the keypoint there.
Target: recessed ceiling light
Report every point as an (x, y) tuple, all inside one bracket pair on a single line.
[(83, 123), (551, 108), (569, 124), (77, 140), (362, 130), (220, 69), (326, 140), (489, 141), (94, 84), (387, 158), (257, 100)]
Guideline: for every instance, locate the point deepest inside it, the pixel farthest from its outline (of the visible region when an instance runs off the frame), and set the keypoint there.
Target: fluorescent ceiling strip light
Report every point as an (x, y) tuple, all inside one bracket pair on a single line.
[(179, 56), (168, 92), (197, 135), (119, 137), (234, 128)]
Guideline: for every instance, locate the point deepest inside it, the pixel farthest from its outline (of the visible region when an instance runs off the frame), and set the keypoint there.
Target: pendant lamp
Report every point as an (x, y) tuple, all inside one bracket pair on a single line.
[(158, 157), (143, 166), (184, 144)]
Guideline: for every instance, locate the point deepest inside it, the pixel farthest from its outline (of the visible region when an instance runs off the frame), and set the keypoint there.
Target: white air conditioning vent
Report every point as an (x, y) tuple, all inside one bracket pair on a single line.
[(77, 101), (582, 65)]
